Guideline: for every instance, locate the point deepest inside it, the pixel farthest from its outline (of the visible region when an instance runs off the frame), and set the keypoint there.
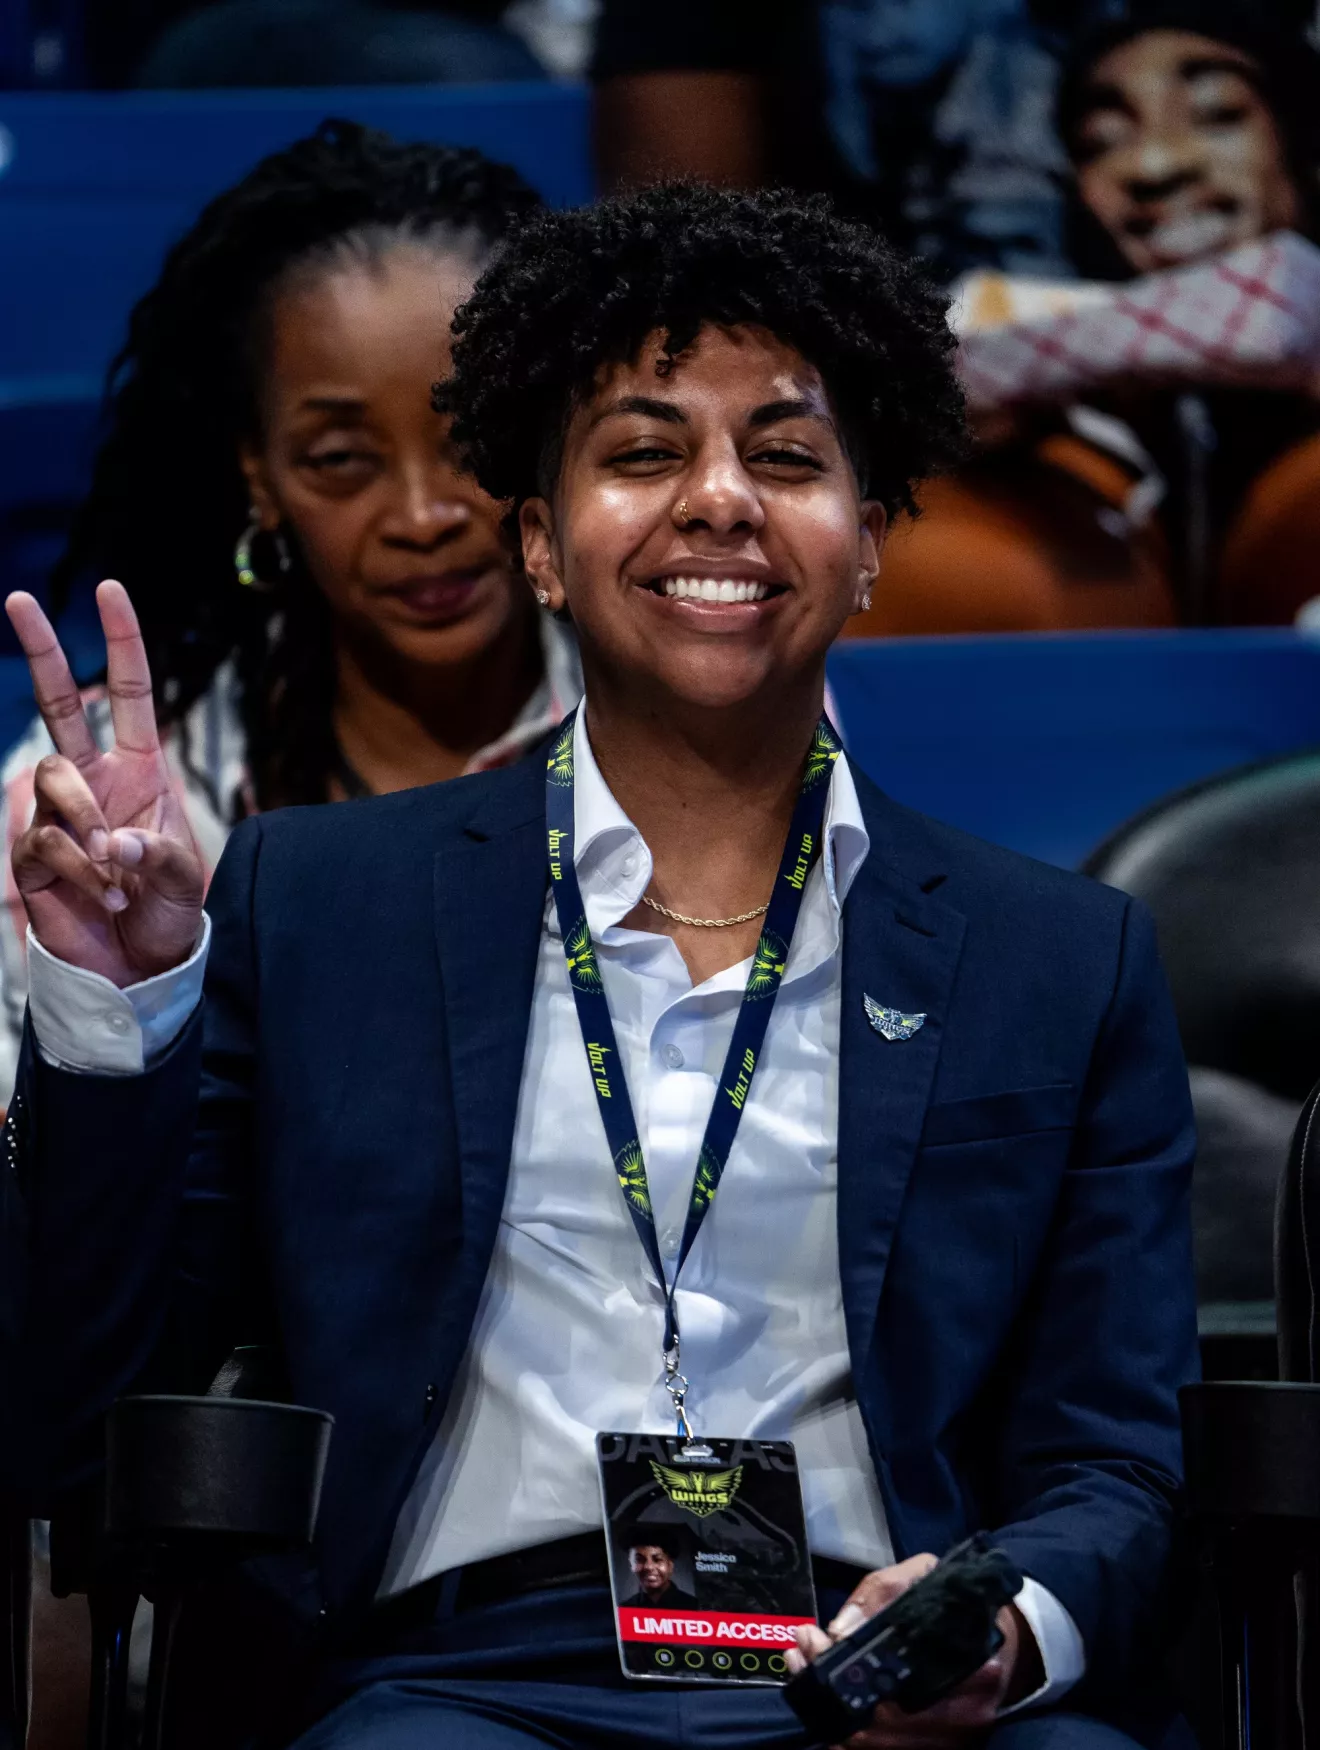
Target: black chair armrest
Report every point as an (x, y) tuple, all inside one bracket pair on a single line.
[(1252, 1451), (192, 1478), (194, 1486)]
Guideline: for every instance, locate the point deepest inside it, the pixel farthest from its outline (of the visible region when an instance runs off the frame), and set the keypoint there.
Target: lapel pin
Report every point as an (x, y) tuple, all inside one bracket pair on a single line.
[(891, 1024)]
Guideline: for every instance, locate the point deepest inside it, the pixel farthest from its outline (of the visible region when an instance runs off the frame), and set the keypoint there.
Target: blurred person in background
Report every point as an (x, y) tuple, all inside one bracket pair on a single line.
[(932, 117), (331, 606), (1193, 127)]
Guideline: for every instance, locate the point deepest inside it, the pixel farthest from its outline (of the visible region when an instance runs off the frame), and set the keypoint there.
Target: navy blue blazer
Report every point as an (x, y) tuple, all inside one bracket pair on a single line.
[(1014, 1241)]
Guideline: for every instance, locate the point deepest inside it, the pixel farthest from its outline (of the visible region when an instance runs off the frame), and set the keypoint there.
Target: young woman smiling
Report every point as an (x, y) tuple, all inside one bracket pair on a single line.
[(329, 604), (453, 1074)]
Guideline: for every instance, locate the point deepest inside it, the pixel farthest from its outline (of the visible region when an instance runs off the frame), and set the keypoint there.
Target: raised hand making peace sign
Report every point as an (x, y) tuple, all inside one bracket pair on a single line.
[(109, 870)]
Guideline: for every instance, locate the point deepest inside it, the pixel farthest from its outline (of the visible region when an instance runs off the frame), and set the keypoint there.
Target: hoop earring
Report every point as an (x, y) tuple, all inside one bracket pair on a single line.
[(243, 567)]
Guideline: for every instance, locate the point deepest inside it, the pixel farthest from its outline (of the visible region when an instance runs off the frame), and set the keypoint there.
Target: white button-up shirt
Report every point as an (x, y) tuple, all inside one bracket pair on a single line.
[(568, 1336), (567, 1339)]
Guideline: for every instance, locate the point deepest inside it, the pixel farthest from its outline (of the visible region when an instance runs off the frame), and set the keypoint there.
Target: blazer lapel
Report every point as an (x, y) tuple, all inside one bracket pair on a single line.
[(901, 948), (490, 886)]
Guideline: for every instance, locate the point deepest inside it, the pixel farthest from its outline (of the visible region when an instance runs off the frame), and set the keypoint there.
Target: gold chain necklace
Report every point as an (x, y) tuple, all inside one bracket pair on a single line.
[(705, 923)]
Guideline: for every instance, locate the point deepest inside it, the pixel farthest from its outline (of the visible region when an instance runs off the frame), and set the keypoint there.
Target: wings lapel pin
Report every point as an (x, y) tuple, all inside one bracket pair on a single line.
[(891, 1024)]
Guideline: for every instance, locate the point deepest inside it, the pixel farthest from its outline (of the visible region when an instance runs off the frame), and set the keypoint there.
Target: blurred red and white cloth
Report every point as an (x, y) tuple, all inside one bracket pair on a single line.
[(1250, 317)]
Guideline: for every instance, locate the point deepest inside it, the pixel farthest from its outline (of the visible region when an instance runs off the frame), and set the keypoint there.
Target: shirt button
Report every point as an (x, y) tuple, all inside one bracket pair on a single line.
[(673, 1057), (630, 864), (669, 1239), (118, 1023)]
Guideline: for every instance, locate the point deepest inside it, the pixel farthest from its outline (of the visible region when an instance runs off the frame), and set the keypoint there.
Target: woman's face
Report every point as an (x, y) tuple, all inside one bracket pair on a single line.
[(1177, 155), (353, 460), (706, 530)]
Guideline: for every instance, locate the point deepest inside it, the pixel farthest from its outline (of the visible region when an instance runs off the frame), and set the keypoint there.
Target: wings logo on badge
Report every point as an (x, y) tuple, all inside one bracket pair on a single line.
[(891, 1024), (699, 1492)]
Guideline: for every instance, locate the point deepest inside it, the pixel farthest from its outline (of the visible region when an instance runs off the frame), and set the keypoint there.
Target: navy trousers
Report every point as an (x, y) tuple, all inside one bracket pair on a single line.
[(543, 1671)]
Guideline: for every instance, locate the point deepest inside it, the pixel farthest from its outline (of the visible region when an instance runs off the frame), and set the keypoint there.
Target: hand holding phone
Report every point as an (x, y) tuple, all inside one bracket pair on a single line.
[(916, 1650)]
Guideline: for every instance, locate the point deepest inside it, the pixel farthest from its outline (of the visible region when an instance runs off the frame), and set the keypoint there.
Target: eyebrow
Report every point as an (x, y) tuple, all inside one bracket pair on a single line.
[(769, 413), (333, 403), (646, 405), (1105, 95), (1197, 66), (798, 408)]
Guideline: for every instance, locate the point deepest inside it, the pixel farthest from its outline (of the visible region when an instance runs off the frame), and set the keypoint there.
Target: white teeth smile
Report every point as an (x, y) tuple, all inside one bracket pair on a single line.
[(1191, 234), (709, 589)]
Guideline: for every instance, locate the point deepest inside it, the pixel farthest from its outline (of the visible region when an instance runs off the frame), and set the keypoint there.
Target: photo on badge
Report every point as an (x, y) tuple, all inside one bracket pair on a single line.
[(709, 1567)]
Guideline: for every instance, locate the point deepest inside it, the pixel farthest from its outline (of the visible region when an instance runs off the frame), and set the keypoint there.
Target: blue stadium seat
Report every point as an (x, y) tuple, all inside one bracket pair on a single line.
[(1044, 743), (1047, 742), (94, 186)]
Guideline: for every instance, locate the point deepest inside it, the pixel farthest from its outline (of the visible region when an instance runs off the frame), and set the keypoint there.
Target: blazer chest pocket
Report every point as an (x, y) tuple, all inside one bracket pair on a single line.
[(987, 1117)]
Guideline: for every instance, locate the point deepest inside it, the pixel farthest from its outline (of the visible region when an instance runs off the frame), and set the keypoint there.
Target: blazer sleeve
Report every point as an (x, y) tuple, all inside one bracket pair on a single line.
[(126, 1254), (1090, 1450)]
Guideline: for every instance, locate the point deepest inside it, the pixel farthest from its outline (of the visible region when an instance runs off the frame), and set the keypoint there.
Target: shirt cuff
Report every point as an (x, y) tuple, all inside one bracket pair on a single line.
[(84, 1023), (1062, 1653)]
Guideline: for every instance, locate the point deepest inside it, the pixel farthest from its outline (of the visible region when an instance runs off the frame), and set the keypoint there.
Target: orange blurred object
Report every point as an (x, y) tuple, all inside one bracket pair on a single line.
[(1023, 539), (1271, 558)]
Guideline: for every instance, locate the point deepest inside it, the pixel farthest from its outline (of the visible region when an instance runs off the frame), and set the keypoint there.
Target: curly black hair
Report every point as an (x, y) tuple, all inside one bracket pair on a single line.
[(574, 291), (168, 501)]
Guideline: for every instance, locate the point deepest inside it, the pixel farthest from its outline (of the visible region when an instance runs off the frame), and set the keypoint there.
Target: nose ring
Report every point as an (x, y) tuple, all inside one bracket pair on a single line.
[(681, 516)]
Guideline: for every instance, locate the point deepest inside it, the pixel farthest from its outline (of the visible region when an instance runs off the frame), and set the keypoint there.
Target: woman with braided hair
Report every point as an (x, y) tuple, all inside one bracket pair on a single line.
[(329, 603)]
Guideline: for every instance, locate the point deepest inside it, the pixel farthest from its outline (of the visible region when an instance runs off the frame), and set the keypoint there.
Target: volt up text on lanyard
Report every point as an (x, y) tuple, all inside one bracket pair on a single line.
[(801, 849)]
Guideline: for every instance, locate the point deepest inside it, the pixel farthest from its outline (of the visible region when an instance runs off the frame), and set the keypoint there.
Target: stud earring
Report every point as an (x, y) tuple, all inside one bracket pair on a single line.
[(543, 596), (681, 516)]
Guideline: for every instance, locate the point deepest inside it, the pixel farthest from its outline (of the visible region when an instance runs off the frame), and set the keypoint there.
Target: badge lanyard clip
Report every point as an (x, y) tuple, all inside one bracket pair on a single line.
[(677, 1386), (801, 849)]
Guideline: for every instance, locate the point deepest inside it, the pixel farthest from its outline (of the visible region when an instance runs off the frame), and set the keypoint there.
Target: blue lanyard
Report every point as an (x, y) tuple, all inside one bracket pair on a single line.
[(801, 849)]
